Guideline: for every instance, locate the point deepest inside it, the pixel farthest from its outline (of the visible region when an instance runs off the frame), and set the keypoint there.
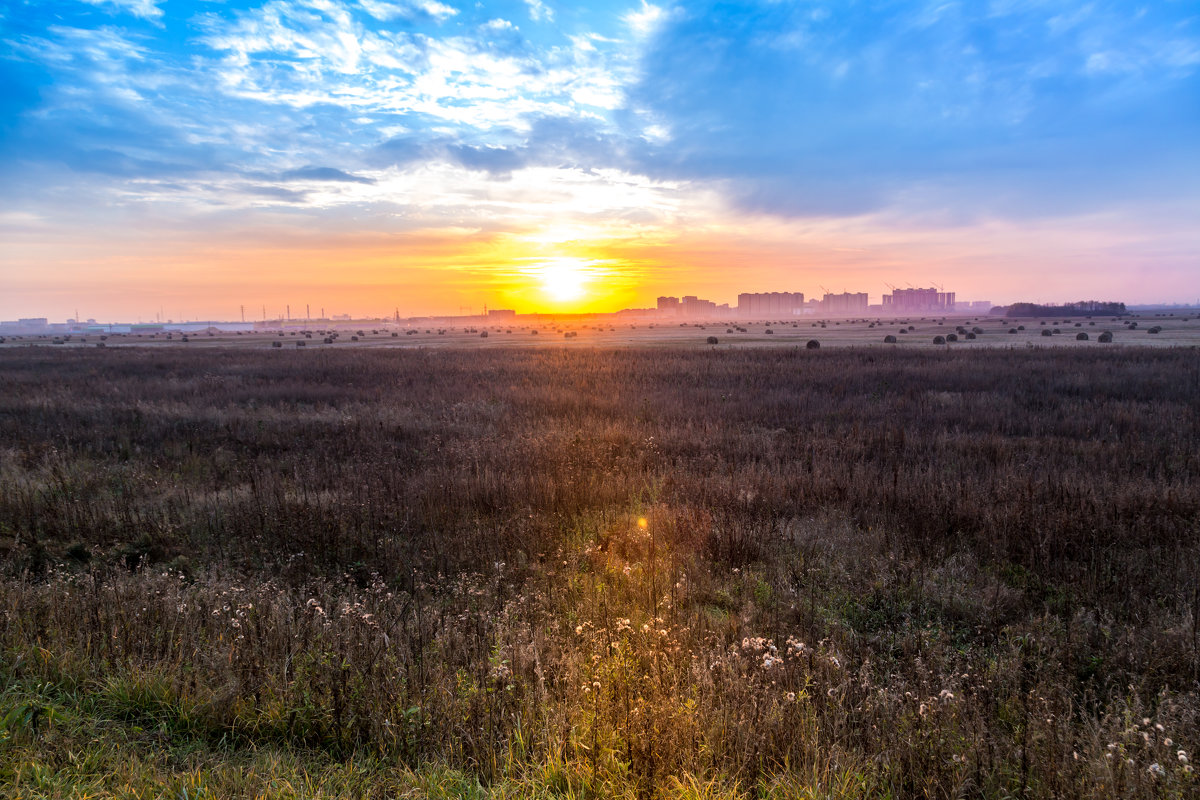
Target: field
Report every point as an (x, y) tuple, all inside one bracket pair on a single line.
[(582, 569), (1160, 329)]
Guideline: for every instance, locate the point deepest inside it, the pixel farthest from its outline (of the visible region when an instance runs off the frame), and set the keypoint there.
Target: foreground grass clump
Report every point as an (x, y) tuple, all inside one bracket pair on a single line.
[(600, 573)]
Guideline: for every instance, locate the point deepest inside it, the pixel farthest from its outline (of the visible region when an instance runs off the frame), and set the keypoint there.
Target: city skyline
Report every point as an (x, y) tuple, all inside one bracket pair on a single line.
[(194, 156)]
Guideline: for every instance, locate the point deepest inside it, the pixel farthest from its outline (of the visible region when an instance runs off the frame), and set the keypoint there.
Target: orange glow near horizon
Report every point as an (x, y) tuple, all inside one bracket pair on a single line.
[(125, 275)]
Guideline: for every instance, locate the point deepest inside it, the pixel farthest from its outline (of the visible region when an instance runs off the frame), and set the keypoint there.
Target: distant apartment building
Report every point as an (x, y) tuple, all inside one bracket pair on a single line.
[(770, 304), (910, 301), (25, 325), (691, 306), (695, 307), (845, 304)]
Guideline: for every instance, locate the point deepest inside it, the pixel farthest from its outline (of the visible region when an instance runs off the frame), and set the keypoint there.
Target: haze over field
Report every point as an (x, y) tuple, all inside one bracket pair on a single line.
[(365, 155)]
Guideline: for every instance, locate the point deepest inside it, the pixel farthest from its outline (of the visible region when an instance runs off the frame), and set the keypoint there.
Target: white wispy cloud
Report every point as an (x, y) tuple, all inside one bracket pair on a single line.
[(146, 9), (645, 20), (539, 11), (407, 9)]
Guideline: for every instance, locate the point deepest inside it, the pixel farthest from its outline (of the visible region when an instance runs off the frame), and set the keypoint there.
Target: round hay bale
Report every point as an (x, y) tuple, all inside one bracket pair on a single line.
[(939, 340), (970, 335), (1046, 332), (1081, 337), (889, 339), (276, 343), (1105, 337), (951, 337), (711, 340), (813, 344)]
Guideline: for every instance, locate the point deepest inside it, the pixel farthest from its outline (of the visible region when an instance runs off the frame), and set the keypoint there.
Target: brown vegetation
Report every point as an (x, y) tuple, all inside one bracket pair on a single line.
[(939, 571)]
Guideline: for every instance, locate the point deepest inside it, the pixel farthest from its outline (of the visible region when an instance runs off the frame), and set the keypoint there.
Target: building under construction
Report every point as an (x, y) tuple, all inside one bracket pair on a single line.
[(912, 301)]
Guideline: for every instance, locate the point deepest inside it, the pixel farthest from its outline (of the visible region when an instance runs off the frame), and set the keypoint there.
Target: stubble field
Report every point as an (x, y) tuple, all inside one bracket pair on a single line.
[(576, 570)]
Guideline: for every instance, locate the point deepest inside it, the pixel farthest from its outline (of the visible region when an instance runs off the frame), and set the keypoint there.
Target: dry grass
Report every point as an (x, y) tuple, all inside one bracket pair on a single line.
[(577, 572)]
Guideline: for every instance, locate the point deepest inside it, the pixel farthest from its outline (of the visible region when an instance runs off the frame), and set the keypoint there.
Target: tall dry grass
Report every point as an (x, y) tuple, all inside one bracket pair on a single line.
[(928, 574)]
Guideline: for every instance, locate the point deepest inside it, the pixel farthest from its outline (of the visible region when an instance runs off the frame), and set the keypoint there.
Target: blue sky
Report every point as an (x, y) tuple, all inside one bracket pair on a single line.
[(171, 150)]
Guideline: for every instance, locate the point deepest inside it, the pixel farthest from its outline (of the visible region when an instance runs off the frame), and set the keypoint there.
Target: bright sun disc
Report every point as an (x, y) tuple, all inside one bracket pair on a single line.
[(564, 279)]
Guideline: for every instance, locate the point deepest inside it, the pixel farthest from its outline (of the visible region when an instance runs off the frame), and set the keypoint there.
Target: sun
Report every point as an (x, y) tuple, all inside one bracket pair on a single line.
[(564, 279)]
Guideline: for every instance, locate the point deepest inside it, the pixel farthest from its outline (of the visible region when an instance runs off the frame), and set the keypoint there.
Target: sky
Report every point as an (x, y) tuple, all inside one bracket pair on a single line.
[(194, 158)]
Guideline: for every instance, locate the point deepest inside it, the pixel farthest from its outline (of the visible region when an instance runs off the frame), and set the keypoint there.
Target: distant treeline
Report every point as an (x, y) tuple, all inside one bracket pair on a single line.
[(1079, 309)]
